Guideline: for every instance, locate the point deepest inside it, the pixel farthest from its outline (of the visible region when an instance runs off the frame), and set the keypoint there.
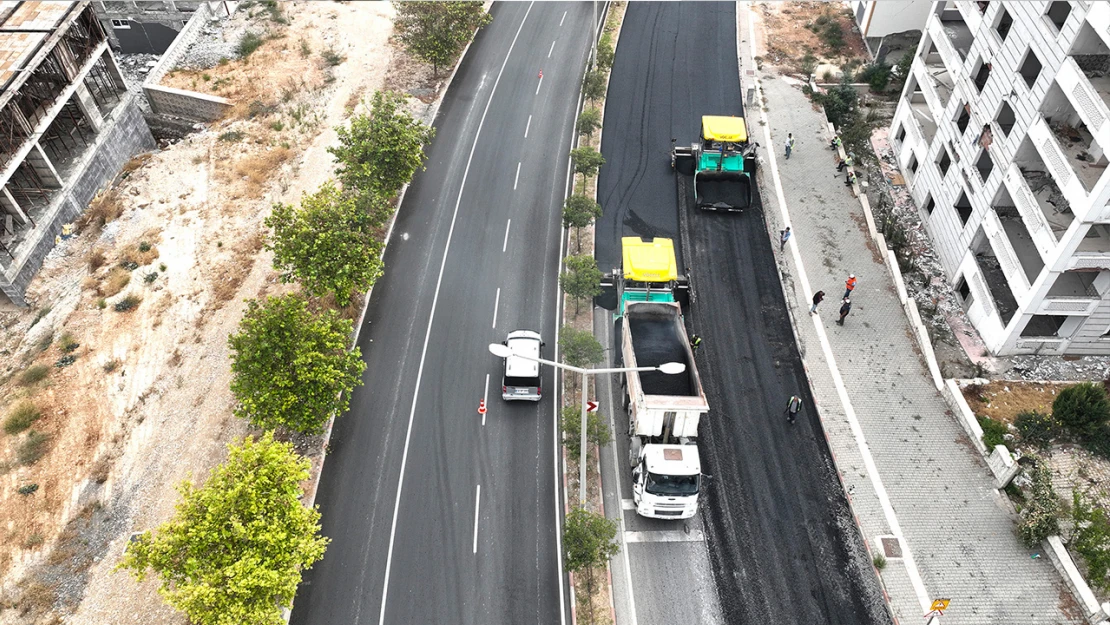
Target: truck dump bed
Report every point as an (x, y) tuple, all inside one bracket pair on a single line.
[(656, 340)]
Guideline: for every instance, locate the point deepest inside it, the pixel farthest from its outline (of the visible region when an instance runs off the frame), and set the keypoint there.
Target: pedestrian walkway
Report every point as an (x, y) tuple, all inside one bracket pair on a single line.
[(907, 465)]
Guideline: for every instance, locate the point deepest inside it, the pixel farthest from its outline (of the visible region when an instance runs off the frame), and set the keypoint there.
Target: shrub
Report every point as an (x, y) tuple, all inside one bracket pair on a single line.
[(1035, 428), (21, 417), (65, 361), (32, 448), (1040, 518), (1082, 408), (128, 303), (34, 374), (993, 431), (102, 303), (877, 75), (150, 277), (144, 246), (879, 560), (232, 136), (67, 343), (332, 57), (29, 489), (111, 365), (248, 44), (96, 260), (118, 278), (1091, 539)]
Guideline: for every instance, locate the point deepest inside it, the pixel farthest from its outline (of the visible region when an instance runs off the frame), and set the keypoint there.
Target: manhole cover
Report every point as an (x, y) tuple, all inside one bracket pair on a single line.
[(892, 548)]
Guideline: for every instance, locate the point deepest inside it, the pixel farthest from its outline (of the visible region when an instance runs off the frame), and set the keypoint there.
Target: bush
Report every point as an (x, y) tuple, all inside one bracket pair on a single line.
[(32, 448), (1036, 428), (30, 489), (1083, 409), (96, 260), (332, 57), (65, 361), (128, 303), (1091, 539), (67, 343), (118, 279), (150, 277), (879, 561), (1040, 518), (877, 75), (21, 417), (248, 44), (993, 431), (231, 136), (34, 374)]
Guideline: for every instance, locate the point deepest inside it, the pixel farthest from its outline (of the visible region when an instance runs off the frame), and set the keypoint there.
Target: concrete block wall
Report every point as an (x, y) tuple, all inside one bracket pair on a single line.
[(180, 102), (124, 135)]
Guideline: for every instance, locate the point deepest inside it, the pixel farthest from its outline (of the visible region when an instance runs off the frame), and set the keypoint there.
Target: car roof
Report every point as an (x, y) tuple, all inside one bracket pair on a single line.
[(525, 342)]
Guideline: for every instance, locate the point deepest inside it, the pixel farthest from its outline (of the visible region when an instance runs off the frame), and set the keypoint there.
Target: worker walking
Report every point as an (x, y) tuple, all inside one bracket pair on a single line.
[(789, 144), (817, 297), (793, 407), (845, 308), (784, 236), (695, 342), (849, 285)]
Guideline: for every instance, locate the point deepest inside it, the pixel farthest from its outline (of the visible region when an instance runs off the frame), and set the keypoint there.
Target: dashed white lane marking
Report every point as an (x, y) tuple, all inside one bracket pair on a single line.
[(505, 244), (563, 18), (496, 302), (551, 50), (517, 179), (668, 536), (539, 85), (428, 333), (826, 348), (477, 502), (528, 126)]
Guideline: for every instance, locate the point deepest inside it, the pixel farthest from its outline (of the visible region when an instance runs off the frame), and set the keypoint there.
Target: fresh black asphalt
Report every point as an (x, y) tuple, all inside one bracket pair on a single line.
[(434, 575), (782, 541)]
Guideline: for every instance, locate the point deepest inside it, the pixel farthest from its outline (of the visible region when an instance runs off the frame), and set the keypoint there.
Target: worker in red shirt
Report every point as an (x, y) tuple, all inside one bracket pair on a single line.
[(850, 285)]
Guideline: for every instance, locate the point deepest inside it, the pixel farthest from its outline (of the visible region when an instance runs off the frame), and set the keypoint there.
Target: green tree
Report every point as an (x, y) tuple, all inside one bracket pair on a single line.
[(579, 347), (1082, 408), (381, 151), (234, 551), (597, 429), (904, 65), (589, 120), (1040, 518), (588, 543), (594, 85), (605, 51), (290, 366), (586, 161), (330, 245), (436, 32), (580, 211), (581, 279)]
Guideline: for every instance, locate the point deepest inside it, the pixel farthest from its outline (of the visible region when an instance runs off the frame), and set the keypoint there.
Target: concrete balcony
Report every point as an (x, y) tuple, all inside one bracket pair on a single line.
[(1042, 137), (1089, 260), (1032, 214), (1064, 305), (1086, 98), (1006, 254)]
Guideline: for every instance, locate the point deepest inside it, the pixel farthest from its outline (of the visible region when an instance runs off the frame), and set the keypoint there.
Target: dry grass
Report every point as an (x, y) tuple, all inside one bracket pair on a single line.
[(116, 280), (104, 208), (136, 162), (1002, 400), (230, 275), (252, 172), (96, 259)]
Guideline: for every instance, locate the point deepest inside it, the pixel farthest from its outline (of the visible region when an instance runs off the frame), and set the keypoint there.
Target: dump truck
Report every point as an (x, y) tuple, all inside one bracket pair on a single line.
[(648, 273), (722, 164), (663, 411)]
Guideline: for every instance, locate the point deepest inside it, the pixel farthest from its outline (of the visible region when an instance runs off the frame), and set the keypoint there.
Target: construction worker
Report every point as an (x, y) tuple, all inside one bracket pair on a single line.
[(793, 407), (835, 143), (784, 236), (850, 179), (849, 285), (695, 342), (845, 308), (845, 162)]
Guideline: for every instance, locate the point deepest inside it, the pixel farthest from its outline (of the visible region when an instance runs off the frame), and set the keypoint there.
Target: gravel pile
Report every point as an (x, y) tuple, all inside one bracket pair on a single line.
[(218, 40), (135, 68)]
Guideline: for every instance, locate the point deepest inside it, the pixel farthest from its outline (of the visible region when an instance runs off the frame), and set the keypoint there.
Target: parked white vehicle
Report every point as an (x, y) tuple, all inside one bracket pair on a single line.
[(521, 380)]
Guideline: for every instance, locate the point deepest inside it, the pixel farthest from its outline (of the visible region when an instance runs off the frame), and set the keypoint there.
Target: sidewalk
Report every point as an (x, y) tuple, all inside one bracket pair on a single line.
[(907, 465)]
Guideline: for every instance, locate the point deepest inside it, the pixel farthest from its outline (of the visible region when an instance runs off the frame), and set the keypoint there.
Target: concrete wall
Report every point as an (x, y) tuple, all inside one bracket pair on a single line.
[(180, 102), (879, 19), (124, 135)]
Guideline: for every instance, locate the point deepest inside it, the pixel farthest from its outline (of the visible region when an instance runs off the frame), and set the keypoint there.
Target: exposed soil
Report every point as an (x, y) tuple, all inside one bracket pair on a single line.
[(1002, 400), (792, 30), (146, 404)]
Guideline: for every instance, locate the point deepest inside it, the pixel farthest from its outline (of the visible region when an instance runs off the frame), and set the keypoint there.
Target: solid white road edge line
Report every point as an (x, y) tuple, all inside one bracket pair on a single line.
[(477, 502), (826, 348), (431, 318), (496, 302), (617, 471), (505, 244)]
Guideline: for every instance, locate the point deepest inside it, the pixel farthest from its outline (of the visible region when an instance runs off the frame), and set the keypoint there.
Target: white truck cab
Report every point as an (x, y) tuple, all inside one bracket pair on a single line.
[(666, 481)]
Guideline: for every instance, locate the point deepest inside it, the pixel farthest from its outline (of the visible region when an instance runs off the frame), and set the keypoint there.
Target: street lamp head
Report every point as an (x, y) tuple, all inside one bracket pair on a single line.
[(672, 368), (499, 350)]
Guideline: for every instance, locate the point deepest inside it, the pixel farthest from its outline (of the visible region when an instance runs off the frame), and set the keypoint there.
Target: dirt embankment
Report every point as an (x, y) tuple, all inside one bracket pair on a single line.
[(142, 402)]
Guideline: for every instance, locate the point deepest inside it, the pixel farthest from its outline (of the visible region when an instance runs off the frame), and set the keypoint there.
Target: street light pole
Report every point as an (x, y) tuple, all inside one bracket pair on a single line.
[(670, 368)]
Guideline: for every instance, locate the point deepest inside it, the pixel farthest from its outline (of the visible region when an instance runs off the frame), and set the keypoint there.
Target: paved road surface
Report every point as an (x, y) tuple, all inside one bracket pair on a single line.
[(781, 539), (457, 554)]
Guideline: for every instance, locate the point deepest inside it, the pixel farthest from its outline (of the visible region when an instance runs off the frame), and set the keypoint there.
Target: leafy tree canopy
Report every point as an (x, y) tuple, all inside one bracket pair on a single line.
[(579, 347), (436, 32)]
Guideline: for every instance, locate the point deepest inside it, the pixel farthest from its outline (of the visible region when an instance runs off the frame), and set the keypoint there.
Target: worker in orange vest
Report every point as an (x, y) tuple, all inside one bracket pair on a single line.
[(849, 285)]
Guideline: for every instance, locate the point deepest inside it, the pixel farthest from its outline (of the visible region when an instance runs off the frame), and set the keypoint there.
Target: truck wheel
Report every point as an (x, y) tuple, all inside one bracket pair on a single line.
[(634, 447)]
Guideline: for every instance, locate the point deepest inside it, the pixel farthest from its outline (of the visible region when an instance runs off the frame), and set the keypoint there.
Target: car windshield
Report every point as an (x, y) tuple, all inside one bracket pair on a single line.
[(516, 382), (671, 485)]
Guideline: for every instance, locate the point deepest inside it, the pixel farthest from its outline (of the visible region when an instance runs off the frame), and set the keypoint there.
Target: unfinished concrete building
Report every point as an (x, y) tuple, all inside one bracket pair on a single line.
[(150, 26), (67, 126), (1001, 132)]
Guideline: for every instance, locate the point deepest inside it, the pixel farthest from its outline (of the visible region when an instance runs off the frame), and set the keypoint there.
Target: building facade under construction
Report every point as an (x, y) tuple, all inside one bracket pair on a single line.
[(67, 126)]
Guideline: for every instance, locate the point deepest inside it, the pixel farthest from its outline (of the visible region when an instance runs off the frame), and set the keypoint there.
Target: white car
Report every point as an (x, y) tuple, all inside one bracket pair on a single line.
[(521, 380)]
